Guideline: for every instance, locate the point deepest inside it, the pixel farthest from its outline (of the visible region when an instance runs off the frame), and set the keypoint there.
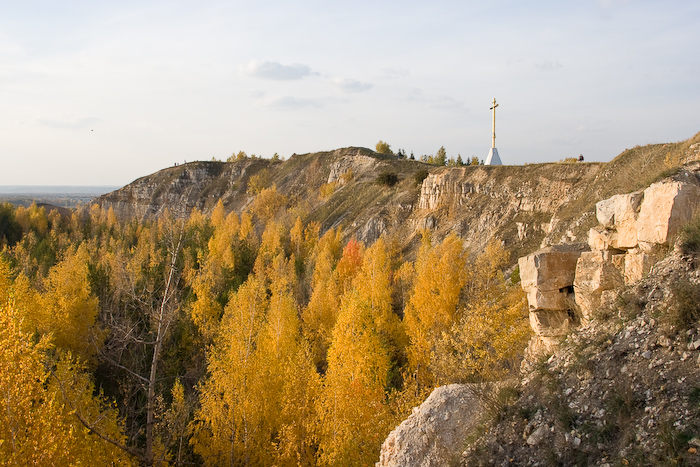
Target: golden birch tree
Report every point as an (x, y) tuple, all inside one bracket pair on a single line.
[(353, 414), (228, 425), (440, 275)]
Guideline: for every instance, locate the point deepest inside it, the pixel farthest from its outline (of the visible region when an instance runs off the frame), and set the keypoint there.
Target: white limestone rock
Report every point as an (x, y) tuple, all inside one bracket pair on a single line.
[(548, 274), (667, 206), (596, 272), (639, 261), (619, 213), (433, 435), (551, 323)]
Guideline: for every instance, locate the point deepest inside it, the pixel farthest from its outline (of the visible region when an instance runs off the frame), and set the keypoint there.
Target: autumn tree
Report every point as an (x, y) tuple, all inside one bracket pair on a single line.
[(222, 265), (440, 275), (267, 204), (332, 278), (318, 317), (257, 182), (229, 424), (143, 309), (68, 310), (49, 409), (289, 382), (352, 411), (373, 284), (488, 339), (383, 148), (240, 156)]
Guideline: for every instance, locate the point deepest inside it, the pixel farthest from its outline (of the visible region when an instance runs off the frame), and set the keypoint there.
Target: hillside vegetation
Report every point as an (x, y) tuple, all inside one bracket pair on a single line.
[(273, 312), (194, 339)]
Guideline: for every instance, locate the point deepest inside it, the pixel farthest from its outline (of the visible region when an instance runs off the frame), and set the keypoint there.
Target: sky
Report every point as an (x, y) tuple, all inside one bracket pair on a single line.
[(104, 92)]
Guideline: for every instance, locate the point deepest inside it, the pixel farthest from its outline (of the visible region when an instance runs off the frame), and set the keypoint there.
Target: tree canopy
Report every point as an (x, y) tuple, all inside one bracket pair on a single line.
[(233, 339)]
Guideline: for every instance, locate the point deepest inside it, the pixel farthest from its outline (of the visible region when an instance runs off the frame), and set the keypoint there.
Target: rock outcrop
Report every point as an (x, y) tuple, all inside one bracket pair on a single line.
[(576, 417), (435, 431), (620, 390), (547, 277), (565, 285), (516, 205)]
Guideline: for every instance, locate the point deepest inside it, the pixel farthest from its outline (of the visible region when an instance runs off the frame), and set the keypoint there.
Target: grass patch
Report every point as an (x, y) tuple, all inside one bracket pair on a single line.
[(674, 445), (694, 396), (629, 304), (498, 400), (685, 309), (690, 237)]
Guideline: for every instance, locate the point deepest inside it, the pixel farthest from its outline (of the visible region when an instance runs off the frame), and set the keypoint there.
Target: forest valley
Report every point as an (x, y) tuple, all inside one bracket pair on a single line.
[(233, 339)]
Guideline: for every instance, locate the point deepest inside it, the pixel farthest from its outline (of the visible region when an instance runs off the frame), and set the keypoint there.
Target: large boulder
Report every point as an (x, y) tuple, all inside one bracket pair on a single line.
[(667, 206), (547, 276), (597, 272), (619, 213), (434, 434), (639, 261)]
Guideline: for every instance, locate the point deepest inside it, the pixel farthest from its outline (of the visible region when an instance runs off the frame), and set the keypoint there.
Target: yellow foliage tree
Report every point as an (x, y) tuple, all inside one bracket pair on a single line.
[(228, 427), (216, 268), (68, 309), (319, 316), (267, 204), (488, 340), (287, 377), (45, 415), (440, 275), (352, 411), (373, 284)]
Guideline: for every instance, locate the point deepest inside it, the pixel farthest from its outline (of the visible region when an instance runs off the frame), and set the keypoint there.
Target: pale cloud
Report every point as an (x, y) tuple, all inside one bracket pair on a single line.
[(609, 3), (393, 73), (414, 94), (289, 102), (444, 102), (432, 101), (549, 65), (275, 71), (351, 85), (69, 123)]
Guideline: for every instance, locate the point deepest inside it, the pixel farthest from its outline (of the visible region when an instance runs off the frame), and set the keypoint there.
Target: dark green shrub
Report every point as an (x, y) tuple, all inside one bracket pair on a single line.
[(387, 178), (420, 176)]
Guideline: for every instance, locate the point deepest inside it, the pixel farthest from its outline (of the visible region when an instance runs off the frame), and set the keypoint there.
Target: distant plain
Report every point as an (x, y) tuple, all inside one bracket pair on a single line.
[(57, 195)]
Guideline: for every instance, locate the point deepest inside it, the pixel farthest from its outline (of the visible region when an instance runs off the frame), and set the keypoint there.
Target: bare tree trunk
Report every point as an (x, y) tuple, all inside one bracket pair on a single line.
[(164, 318)]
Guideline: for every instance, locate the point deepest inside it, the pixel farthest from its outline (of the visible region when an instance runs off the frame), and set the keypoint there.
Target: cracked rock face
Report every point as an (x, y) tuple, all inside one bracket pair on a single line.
[(632, 377)]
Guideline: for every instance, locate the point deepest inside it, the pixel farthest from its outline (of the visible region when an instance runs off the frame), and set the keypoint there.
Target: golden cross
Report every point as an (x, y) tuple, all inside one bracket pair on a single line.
[(493, 137)]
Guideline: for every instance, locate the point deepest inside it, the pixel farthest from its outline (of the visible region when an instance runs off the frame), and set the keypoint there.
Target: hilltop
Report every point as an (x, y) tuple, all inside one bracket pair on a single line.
[(369, 194)]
